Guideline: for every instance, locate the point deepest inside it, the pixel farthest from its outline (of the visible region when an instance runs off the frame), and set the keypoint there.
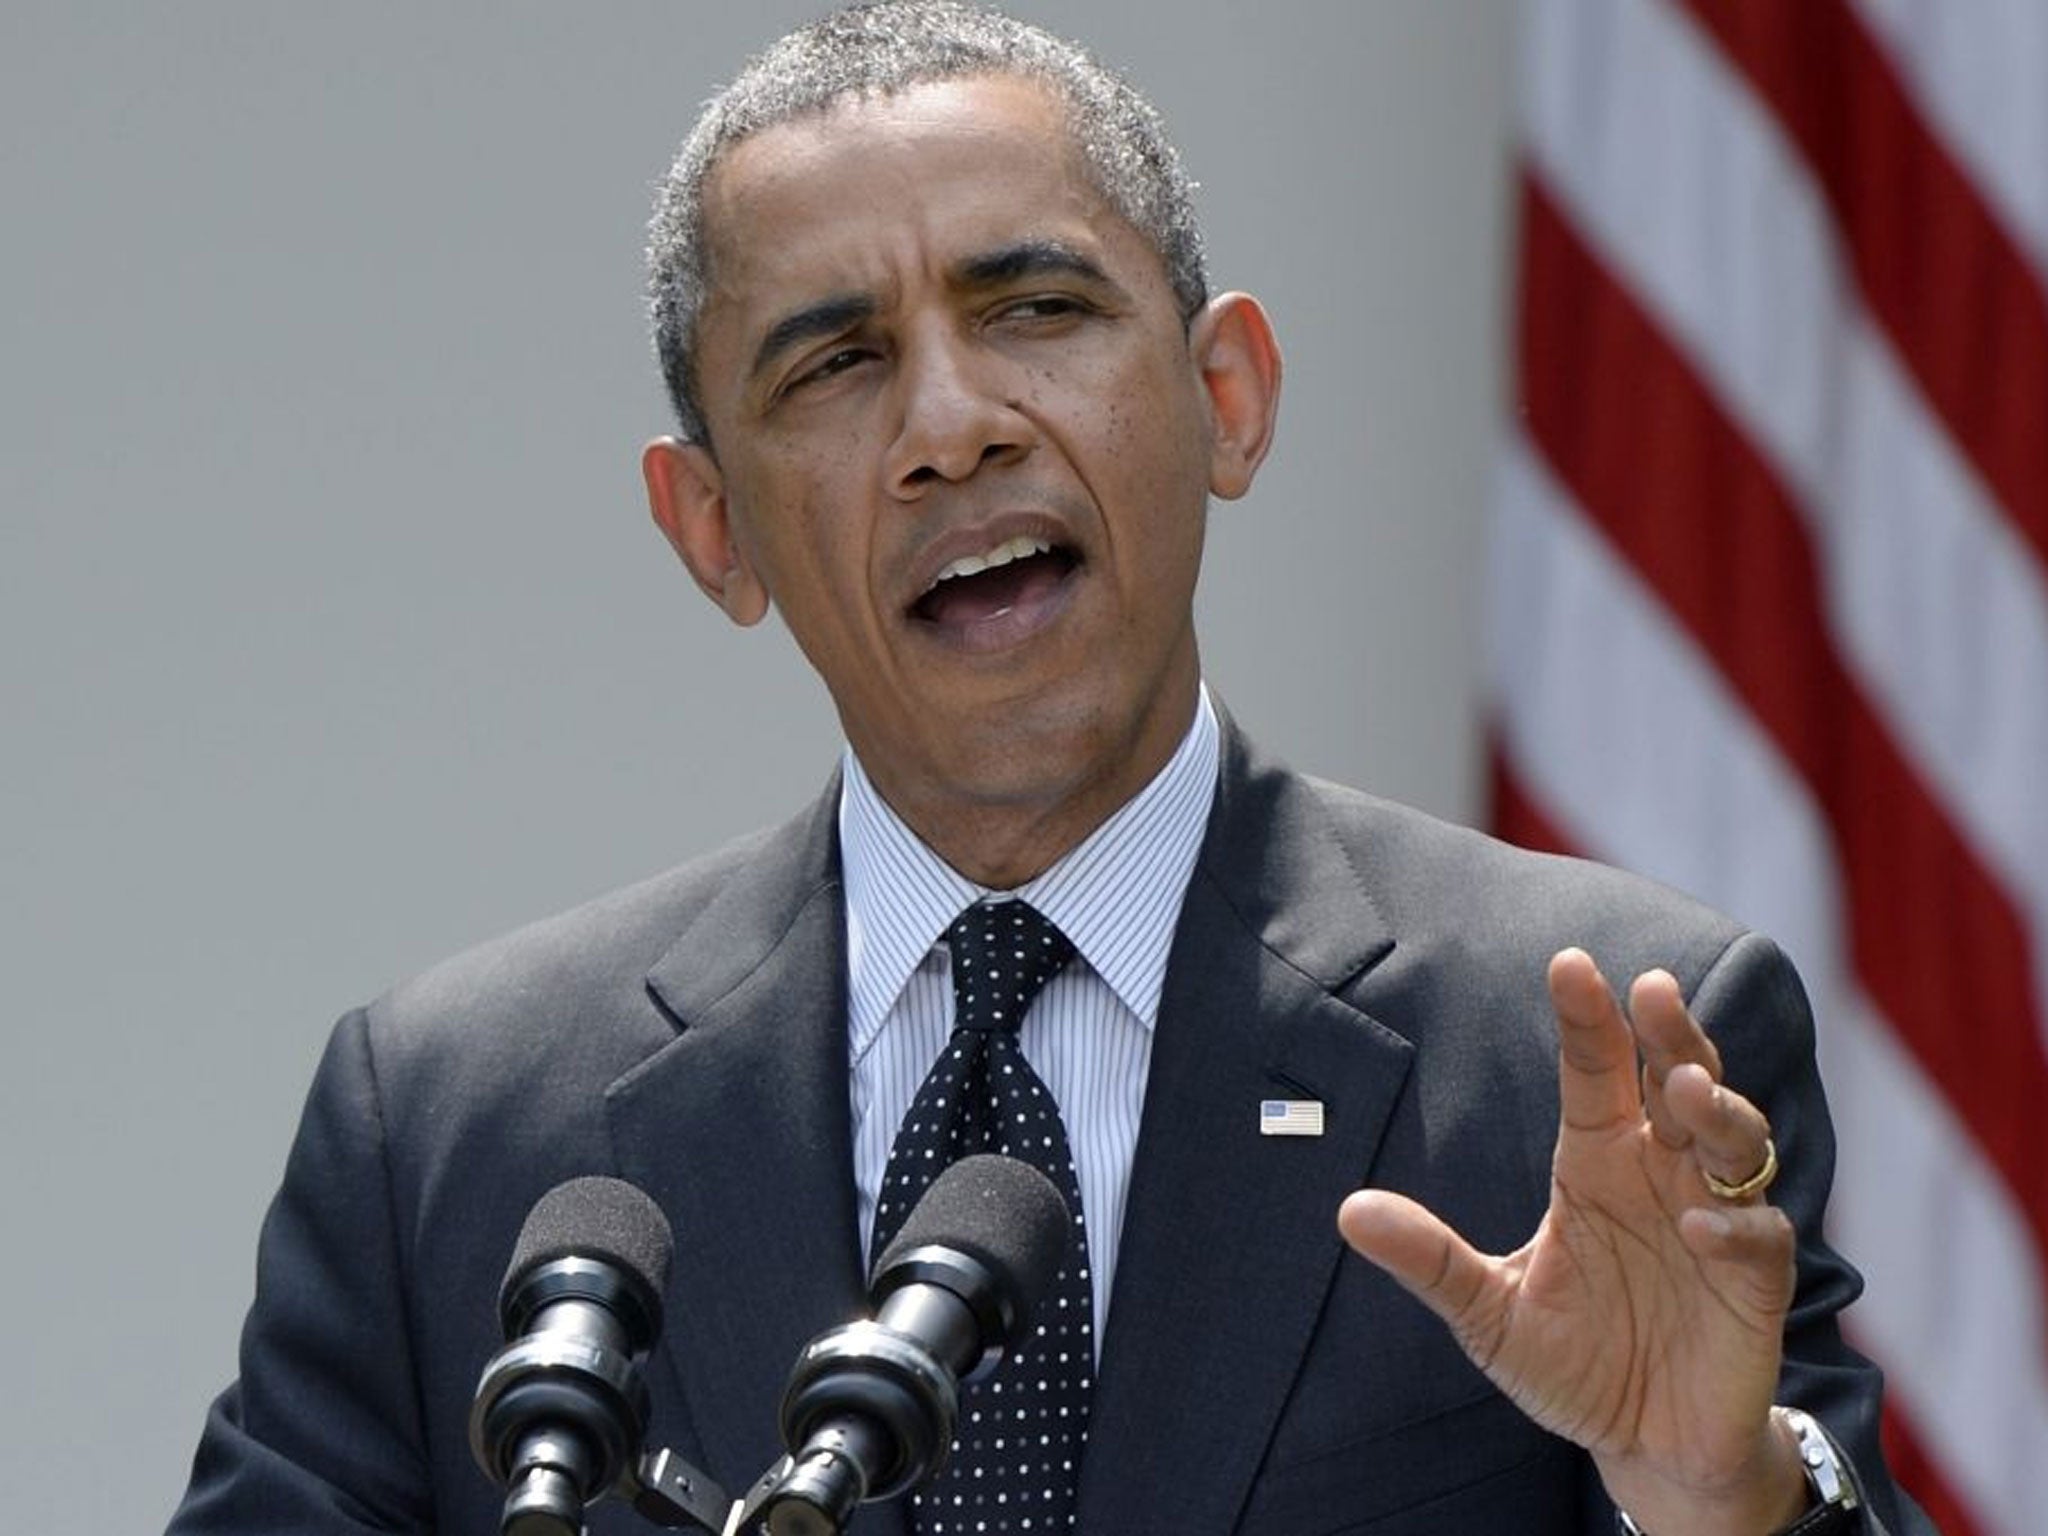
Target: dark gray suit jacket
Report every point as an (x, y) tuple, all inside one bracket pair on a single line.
[(689, 1035)]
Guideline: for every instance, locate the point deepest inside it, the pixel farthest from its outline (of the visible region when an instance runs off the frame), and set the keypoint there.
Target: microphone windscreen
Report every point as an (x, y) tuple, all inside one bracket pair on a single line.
[(594, 1218), (1005, 1213)]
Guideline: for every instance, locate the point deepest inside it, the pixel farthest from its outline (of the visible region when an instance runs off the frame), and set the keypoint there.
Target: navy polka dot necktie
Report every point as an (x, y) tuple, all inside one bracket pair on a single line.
[(1017, 1447)]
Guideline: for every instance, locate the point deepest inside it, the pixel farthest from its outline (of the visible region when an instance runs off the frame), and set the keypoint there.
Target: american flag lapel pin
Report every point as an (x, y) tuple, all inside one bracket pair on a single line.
[(1290, 1117)]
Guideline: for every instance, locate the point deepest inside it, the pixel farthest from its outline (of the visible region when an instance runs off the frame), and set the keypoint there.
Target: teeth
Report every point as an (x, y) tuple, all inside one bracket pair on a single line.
[(1020, 548)]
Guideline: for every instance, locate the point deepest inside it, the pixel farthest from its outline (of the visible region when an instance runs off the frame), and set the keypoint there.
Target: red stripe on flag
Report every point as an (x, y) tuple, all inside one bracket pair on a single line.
[(1649, 456), (1936, 267), (1514, 814), (1920, 1475)]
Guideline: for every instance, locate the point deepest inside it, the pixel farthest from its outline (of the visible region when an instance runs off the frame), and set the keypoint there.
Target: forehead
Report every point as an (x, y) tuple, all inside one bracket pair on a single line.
[(929, 174)]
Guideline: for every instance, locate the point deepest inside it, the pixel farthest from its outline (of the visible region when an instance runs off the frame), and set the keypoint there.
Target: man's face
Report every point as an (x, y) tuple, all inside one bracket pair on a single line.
[(964, 440)]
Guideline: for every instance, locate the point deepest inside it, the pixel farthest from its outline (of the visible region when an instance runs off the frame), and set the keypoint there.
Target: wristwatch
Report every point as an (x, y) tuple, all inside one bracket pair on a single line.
[(1834, 1512)]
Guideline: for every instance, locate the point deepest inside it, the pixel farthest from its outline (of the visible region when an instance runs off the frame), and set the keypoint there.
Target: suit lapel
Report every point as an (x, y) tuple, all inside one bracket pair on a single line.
[(1230, 1240), (740, 1128)]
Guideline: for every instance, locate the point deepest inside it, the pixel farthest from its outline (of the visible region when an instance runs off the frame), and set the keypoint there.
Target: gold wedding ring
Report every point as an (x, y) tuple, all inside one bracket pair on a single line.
[(1755, 1184)]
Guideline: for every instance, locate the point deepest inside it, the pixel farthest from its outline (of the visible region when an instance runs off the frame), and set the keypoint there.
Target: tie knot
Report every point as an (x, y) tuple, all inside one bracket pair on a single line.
[(1003, 953)]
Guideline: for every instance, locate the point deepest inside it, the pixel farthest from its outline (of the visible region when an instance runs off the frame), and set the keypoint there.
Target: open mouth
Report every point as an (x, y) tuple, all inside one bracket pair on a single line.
[(1018, 573)]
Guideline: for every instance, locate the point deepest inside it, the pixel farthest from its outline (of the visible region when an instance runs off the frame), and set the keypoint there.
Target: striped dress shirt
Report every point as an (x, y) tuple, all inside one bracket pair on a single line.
[(1117, 895)]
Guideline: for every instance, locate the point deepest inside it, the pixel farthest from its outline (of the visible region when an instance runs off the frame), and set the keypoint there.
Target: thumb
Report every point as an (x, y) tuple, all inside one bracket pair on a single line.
[(1435, 1265)]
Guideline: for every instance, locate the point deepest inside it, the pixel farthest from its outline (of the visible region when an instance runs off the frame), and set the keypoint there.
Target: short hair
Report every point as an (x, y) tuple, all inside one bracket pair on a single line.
[(879, 49)]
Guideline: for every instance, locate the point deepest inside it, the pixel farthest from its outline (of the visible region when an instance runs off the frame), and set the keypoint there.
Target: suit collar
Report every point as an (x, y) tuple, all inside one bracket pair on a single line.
[(1230, 1240), (1277, 855)]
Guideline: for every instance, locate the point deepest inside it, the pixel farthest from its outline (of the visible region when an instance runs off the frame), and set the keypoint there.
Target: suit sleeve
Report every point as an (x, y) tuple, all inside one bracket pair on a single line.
[(321, 1432), (1753, 1005)]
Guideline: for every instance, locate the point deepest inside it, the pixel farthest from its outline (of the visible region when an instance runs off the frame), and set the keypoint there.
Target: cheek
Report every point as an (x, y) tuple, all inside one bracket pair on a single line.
[(789, 517), (1110, 415), (1157, 411)]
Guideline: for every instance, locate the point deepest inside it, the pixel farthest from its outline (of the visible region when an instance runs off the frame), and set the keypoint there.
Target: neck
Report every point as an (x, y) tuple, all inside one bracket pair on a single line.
[(1001, 841)]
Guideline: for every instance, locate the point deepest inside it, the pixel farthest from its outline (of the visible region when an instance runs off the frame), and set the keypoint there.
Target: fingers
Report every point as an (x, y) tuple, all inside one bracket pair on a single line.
[(1682, 1090), (1679, 1085), (1436, 1266), (1756, 1242), (1730, 1137), (1596, 1052), (1668, 1038)]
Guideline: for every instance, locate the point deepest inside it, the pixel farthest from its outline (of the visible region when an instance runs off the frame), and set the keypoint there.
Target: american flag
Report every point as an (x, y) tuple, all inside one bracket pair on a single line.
[(1290, 1117), (1770, 601)]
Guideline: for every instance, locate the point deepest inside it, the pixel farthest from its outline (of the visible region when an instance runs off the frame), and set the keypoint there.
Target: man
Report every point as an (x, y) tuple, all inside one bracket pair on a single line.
[(953, 397)]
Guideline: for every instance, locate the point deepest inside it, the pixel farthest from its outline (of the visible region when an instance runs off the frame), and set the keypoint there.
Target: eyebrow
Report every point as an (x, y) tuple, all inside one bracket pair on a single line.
[(1028, 258), (823, 318)]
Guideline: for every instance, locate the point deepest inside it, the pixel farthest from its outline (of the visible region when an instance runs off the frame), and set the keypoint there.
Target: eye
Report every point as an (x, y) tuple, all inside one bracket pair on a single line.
[(830, 364), (1043, 306)]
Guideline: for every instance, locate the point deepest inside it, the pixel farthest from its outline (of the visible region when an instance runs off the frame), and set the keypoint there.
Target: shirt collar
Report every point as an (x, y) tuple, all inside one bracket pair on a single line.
[(1117, 894)]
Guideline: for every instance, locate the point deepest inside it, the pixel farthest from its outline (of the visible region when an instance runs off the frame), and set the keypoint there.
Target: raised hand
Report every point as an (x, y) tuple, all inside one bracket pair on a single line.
[(1644, 1319)]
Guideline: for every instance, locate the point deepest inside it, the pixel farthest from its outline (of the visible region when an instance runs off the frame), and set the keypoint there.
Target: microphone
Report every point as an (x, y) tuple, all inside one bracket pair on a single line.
[(560, 1410), (870, 1407)]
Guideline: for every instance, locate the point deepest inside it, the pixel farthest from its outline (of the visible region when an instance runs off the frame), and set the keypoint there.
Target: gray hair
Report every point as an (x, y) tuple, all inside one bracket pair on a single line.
[(879, 49)]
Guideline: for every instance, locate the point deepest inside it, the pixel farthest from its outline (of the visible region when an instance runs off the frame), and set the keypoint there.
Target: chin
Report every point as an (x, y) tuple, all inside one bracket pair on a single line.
[(1027, 756)]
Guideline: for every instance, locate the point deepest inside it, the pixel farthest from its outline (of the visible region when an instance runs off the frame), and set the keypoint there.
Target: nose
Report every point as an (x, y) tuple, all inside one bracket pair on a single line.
[(955, 415)]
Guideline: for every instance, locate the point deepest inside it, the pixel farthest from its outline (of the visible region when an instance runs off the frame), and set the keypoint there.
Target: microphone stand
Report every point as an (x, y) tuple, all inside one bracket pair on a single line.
[(667, 1491)]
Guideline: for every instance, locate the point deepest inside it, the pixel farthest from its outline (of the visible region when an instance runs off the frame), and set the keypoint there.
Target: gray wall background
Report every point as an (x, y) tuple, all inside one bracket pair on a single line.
[(334, 637)]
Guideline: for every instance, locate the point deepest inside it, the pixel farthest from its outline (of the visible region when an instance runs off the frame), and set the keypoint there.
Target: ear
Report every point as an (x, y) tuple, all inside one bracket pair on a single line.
[(1233, 346), (686, 494)]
